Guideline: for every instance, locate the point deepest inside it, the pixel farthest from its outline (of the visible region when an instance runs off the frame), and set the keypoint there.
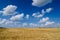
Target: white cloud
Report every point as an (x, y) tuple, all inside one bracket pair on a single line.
[(2, 21), (48, 10), (5, 21), (27, 16), (44, 19), (17, 17), (45, 22), (9, 24), (37, 15), (9, 10), (49, 23), (33, 25), (40, 3), (12, 24), (43, 11)]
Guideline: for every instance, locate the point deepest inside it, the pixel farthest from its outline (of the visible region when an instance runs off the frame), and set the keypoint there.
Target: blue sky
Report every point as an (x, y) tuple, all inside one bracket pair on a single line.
[(29, 13)]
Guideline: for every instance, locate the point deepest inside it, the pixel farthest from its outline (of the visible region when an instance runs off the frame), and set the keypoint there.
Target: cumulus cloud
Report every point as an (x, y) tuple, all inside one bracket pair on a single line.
[(34, 25), (46, 22), (43, 12), (37, 15), (12, 24), (5, 21), (44, 19), (9, 10), (9, 24), (49, 23), (17, 17), (2, 21), (40, 3), (49, 10)]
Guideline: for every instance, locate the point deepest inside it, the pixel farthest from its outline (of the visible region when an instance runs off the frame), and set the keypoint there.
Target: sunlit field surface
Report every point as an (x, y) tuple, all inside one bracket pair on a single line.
[(30, 34)]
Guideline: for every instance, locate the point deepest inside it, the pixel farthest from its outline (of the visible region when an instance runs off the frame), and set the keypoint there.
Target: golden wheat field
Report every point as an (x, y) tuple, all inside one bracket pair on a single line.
[(30, 34)]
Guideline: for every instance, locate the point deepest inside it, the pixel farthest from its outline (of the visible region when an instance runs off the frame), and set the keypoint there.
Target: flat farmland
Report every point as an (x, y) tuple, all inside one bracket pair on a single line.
[(29, 33)]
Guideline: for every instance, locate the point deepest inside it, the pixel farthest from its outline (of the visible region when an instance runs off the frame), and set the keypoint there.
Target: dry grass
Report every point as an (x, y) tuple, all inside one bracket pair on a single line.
[(30, 34)]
